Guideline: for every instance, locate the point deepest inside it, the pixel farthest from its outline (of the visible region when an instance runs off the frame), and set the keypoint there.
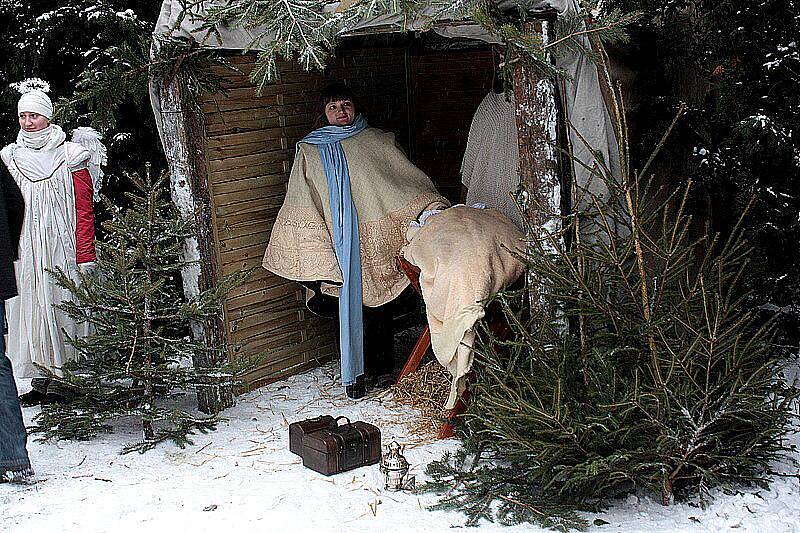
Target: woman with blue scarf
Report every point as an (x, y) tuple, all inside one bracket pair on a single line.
[(350, 197)]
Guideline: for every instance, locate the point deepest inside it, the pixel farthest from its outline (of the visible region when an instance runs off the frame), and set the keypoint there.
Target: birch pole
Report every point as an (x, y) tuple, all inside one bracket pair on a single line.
[(183, 148), (537, 129)]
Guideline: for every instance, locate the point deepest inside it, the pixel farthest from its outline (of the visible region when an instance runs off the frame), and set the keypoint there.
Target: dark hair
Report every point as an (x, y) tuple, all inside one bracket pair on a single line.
[(335, 91), (331, 93)]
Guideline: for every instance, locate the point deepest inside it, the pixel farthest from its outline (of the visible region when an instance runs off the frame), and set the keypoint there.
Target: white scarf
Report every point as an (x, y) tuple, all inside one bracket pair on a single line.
[(47, 138), (39, 154)]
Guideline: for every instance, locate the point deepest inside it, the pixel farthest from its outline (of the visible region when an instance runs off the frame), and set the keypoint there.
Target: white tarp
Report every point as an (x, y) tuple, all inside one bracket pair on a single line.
[(170, 23), (585, 107)]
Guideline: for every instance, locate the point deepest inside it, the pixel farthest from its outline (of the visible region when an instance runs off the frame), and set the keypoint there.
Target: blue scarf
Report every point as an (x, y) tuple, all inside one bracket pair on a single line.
[(345, 241)]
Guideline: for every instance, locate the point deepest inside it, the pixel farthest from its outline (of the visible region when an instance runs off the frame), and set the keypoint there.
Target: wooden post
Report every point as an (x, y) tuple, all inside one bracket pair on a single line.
[(184, 147), (537, 128)]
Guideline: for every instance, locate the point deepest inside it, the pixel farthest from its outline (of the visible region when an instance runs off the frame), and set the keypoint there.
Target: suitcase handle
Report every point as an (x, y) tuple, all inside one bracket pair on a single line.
[(344, 417)]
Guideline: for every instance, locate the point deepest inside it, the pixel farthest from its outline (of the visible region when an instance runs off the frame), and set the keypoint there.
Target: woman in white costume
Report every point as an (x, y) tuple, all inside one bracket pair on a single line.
[(58, 232)]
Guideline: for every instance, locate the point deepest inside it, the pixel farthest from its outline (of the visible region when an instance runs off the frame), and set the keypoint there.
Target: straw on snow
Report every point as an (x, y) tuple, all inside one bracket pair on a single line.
[(425, 390)]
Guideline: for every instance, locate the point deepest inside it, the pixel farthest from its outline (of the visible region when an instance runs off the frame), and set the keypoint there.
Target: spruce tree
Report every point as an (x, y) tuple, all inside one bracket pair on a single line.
[(638, 367), (737, 67), (137, 360)]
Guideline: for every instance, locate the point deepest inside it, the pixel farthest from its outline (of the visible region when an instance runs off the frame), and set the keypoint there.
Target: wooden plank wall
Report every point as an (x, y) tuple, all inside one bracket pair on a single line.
[(447, 87), (249, 148)]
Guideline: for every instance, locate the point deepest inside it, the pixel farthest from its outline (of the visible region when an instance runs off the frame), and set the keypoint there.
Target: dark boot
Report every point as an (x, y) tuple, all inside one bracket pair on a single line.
[(356, 390), (18, 476), (37, 393)]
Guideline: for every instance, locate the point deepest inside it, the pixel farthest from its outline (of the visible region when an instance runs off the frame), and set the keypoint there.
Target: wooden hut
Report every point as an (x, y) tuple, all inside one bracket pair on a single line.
[(230, 155)]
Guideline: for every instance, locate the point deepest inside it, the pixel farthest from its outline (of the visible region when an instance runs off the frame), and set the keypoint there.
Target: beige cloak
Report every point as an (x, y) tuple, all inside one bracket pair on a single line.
[(464, 258), (388, 192)]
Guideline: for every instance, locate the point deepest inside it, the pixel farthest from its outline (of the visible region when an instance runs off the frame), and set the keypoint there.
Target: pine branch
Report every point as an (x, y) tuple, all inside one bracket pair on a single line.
[(662, 379)]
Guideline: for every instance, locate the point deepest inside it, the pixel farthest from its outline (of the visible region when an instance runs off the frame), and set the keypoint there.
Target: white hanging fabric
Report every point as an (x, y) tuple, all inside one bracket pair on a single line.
[(489, 168)]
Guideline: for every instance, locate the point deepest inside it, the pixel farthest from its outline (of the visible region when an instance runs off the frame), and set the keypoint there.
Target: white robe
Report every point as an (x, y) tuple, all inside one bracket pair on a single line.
[(36, 329), (489, 168)]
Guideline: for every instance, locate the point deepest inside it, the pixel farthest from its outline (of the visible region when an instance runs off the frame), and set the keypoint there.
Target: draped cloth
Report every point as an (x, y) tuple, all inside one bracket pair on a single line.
[(37, 329), (387, 191), (489, 167), (464, 256), (344, 219)]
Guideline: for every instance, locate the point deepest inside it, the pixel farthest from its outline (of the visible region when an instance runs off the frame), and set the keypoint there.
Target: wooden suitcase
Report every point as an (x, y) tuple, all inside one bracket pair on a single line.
[(297, 430), (342, 448)]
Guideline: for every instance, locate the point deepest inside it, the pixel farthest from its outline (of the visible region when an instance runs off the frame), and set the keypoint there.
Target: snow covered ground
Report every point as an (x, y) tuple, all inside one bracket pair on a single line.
[(243, 478)]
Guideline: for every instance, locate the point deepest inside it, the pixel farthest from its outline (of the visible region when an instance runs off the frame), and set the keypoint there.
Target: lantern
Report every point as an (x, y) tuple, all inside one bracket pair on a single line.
[(395, 468)]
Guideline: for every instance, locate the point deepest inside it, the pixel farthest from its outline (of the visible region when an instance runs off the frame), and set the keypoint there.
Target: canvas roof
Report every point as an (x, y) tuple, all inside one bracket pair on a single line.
[(171, 23), (585, 106)]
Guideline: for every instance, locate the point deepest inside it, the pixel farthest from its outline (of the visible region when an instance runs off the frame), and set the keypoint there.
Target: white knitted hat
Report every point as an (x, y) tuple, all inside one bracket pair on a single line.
[(34, 97)]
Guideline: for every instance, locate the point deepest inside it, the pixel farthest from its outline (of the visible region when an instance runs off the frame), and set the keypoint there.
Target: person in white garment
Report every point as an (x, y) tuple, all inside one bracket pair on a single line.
[(58, 232)]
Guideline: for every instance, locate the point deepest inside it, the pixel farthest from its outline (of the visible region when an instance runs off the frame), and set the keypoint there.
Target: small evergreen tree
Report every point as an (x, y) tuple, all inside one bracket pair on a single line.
[(638, 367), (138, 359)]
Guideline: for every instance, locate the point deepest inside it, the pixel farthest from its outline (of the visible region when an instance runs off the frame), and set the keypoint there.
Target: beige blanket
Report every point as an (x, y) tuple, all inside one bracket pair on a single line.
[(388, 192), (463, 256)]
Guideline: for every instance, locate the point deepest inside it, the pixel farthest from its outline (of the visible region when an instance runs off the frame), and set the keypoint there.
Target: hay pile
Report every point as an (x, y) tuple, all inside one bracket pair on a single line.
[(425, 390)]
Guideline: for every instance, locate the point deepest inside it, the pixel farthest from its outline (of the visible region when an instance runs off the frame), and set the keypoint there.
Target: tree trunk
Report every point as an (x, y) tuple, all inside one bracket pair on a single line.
[(182, 130), (537, 126)]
